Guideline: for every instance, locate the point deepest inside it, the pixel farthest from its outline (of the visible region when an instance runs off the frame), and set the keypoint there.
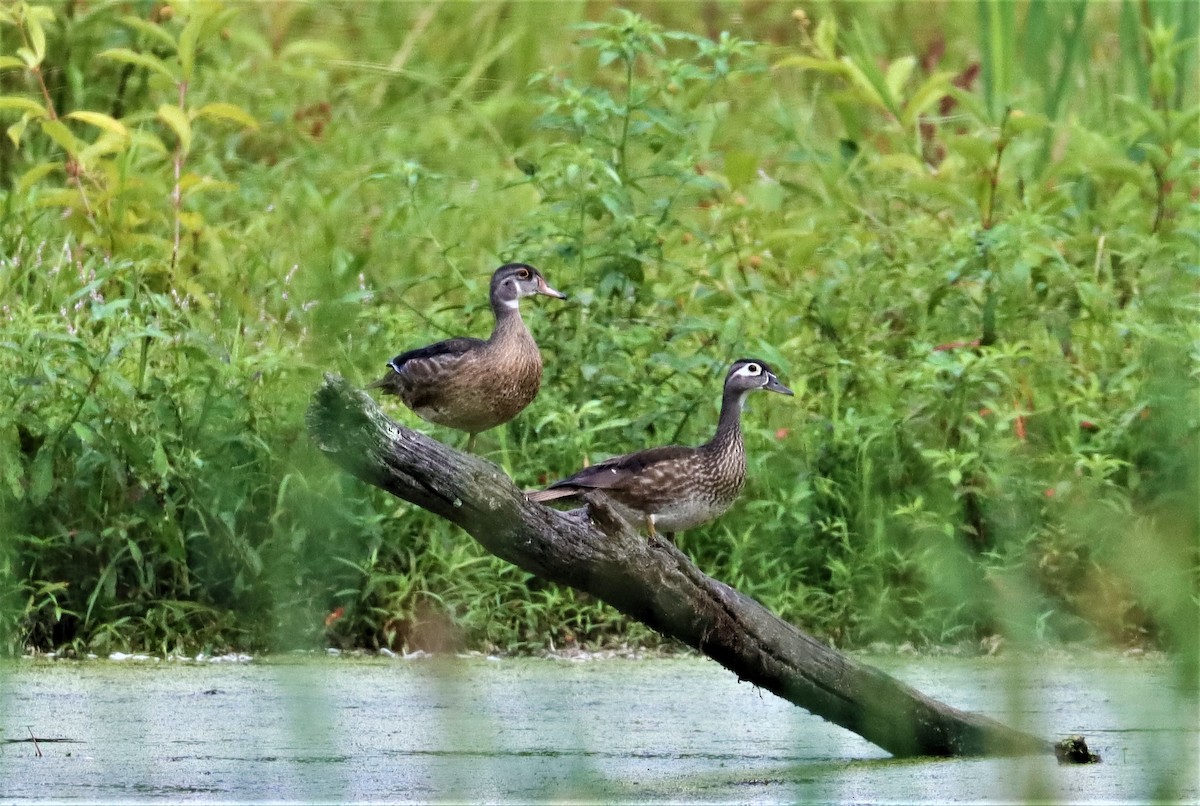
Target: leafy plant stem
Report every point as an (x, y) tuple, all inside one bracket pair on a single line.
[(83, 399), (625, 117), (176, 191), (74, 169), (1160, 196), (993, 178)]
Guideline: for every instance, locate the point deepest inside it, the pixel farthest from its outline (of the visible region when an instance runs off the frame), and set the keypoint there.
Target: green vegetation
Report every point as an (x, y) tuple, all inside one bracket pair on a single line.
[(967, 240)]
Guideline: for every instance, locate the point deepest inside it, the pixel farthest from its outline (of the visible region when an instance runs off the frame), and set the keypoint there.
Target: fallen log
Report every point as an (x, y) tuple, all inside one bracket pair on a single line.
[(595, 550)]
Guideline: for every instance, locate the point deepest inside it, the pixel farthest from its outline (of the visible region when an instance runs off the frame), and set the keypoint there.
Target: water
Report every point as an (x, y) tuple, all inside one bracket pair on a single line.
[(474, 729)]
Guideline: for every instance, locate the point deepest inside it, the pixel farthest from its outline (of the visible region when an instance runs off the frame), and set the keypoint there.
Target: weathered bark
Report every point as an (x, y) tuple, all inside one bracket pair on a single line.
[(647, 579)]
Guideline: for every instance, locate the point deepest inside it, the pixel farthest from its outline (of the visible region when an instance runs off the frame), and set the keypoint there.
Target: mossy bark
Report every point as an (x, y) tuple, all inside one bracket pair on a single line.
[(596, 551)]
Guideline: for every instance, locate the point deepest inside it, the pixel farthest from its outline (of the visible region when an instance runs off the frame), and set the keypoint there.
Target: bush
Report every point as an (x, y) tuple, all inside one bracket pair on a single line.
[(980, 283)]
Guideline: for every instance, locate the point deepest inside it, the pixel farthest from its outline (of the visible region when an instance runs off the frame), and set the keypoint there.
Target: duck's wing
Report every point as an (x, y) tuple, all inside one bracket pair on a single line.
[(443, 351), (618, 473), (422, 363)]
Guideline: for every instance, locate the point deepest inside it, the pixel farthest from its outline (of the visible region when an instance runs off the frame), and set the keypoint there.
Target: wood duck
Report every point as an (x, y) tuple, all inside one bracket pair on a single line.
[(674, 487), (470, 384)]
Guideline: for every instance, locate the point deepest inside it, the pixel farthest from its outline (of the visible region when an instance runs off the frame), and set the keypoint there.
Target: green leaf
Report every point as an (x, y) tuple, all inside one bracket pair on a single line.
[(867, 89), (135, 552), (903, 163), (193, 183), (226, 111), (41, 475), (59, 198), (1147, 116), (104, 145), (10, 62), (27, 104), (149, 29), (1156, 156), (141, 137), (825, 37), (971, 103), (319, 50), (127, 56), (37, 37), (809, 63), (1020, 122), (16, 130), (83, 433), (57, 131), (1184, 124), (10, 464), (740, 167), (187, 45), (931, 91), (161, 466), (36, 174), (898, 74), (42, 14), (101, 121), (177, 120)]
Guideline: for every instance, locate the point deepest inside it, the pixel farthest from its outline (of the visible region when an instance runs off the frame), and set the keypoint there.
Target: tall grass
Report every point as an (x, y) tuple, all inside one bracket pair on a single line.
[(968, 244)]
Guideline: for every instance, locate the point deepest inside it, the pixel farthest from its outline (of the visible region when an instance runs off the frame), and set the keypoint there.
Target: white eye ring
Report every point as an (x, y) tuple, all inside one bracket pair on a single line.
[(753, 369)]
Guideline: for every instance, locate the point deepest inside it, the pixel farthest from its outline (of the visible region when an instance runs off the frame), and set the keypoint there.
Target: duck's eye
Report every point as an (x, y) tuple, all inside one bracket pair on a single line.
[(753, 369), (523, 274)]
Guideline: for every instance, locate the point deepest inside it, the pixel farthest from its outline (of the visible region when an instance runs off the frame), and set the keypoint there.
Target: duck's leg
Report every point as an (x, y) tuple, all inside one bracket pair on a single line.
[(650, 525), (471, 442)]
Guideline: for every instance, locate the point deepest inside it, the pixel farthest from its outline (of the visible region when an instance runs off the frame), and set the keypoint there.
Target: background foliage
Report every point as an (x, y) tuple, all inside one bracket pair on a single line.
[(968, 240)]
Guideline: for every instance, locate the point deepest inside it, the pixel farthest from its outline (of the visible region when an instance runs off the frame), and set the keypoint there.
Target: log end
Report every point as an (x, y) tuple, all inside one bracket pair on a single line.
[(337, 410), (1074, 750)]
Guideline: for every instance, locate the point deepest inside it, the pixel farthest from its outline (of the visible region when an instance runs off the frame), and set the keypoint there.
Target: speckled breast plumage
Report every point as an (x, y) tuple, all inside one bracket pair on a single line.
[(481, 390), (686, 492)]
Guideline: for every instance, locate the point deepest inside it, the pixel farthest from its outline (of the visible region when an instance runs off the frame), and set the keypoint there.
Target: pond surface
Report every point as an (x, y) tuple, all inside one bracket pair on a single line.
[(474, 729)]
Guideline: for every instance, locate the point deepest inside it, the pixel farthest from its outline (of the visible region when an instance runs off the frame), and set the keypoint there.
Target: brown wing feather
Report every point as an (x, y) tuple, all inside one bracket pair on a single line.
[(409, 374), (549, 495), (449, 347), (618, 472)]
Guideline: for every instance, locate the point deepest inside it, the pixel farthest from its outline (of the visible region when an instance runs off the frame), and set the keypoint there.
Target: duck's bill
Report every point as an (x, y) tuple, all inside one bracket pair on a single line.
[(544, 288), (773, 385)]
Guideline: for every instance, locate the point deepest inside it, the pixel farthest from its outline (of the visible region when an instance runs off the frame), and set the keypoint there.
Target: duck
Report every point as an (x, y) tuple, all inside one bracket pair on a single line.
[(471, 384), (673, 488)]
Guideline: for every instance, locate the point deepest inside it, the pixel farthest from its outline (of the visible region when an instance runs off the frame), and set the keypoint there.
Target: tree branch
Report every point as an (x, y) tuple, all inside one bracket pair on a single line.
[(649, 580)]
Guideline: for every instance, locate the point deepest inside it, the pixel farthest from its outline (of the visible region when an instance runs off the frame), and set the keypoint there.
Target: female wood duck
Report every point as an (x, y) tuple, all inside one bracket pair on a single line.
[(674, 487), (471, 384)]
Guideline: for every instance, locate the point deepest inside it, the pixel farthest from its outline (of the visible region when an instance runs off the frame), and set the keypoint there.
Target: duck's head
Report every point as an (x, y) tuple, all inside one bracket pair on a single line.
[(515, 280), (750, 374)]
